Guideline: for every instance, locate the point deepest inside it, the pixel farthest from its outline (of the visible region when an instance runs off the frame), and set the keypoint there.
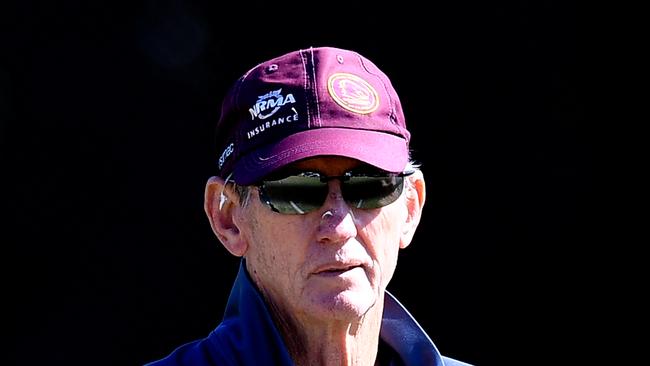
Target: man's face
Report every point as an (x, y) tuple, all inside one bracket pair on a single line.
[(318, 267)]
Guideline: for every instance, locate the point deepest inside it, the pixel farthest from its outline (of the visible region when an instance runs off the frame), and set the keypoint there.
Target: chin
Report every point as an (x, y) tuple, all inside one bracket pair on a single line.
[(348, 305)]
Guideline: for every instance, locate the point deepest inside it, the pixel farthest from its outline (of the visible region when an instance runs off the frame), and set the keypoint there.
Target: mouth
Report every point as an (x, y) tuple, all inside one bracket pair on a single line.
[(336, 270)]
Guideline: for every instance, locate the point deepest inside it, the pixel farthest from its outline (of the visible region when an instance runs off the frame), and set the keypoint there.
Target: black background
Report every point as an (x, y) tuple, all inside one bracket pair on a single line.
[(107, 113)]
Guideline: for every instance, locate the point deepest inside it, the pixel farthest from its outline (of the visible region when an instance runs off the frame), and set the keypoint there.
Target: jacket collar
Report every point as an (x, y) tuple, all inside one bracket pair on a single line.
[(262, 340)]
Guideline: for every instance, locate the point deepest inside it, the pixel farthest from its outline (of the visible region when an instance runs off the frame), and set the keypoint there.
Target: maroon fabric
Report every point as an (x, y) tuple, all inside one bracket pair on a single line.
[(318, 101)]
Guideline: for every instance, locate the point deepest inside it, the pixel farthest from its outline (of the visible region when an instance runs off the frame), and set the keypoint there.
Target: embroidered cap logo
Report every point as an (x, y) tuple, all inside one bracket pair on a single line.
[(353, 93), (269, 103)]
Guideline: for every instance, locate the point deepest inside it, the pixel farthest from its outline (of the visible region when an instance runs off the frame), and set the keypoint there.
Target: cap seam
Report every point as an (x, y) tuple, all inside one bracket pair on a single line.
[(237, 138), (315, 89), (241, 82), (305, 86), (391, 102)]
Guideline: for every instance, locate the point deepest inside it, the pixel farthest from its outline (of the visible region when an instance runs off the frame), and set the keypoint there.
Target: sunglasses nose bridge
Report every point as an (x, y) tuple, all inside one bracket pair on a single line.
[(334, 194)]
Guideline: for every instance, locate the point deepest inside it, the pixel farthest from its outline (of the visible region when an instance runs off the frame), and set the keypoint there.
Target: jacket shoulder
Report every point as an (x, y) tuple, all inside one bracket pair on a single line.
[(453, 362)]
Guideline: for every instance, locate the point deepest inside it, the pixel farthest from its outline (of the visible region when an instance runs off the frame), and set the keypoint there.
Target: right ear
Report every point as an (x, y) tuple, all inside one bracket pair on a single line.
[(221, 203)]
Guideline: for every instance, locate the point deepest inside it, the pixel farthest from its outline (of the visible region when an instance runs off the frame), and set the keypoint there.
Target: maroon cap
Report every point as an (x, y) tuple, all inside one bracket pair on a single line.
[(313, 102)]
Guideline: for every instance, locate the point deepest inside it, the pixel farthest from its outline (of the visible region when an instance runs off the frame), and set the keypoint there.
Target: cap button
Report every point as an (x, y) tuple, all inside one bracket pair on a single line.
[(271, 68)]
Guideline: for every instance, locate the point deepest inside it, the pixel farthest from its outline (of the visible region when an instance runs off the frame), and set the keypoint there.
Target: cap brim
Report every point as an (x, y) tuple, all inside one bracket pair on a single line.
[(383, 150)]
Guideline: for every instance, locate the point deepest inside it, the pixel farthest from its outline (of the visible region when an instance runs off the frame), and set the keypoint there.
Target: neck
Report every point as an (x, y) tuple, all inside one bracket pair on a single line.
[(320, 342)]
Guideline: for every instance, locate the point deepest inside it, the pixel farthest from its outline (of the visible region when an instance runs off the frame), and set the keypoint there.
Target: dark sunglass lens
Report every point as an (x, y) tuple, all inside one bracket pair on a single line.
[(294, 194), (372, 192)]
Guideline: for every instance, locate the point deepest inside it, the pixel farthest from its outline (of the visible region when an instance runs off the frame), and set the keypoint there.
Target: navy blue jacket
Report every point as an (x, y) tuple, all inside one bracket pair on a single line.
[(248, 336)]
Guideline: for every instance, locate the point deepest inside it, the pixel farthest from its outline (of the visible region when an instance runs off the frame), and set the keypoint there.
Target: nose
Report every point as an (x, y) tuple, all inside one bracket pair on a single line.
[(336, 221)]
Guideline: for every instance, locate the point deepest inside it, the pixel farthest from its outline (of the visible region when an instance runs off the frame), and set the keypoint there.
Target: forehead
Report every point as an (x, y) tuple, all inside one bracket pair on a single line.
[(329, 165)]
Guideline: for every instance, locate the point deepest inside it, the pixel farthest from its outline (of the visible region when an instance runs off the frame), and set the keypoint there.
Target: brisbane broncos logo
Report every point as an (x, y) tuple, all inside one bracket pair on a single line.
[(353, 93)]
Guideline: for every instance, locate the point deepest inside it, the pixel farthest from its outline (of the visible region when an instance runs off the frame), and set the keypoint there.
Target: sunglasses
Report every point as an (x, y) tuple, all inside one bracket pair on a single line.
[(307, 191)]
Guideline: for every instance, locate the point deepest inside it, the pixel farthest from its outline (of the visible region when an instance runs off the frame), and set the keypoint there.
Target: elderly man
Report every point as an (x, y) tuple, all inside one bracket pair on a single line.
[(316, 192)]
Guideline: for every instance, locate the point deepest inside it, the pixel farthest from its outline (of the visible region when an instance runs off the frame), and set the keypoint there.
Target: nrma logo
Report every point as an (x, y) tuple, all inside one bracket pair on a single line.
[(270, 103)]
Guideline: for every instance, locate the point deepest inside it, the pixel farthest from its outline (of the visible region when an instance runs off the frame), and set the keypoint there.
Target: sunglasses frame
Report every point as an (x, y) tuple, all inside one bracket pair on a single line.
[(264, 196)]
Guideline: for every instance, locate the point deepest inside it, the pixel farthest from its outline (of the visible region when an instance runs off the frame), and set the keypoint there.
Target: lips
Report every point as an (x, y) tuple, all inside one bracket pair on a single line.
[(336, 268)]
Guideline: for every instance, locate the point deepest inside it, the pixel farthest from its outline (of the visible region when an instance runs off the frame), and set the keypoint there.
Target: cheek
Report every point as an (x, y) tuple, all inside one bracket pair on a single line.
[(274, 254), (382, 235), (389, 259)]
